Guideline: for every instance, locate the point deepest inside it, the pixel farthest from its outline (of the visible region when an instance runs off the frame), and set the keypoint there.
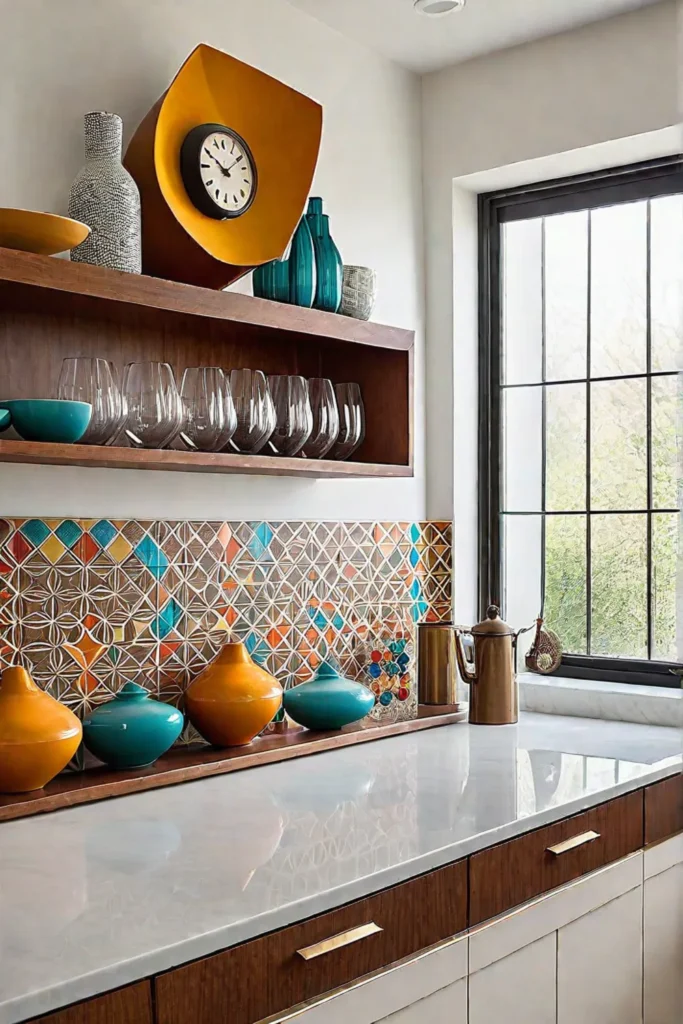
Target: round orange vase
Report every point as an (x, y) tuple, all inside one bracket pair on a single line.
[(232, 700), (38, 735)]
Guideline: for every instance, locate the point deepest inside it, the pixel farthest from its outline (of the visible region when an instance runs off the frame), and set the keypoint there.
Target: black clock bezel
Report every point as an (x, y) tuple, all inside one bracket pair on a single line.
[(191, 173)]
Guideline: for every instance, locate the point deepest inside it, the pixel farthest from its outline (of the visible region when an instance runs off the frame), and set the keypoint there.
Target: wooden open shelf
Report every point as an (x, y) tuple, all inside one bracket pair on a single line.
[(185, 764), (52, 308)]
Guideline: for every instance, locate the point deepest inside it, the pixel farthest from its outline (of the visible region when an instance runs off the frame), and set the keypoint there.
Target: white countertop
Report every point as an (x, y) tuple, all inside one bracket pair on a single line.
[(95, 897)]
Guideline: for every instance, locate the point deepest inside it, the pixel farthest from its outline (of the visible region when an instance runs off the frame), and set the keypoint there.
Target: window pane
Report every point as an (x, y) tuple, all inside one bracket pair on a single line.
[(522, 301), (618, 289), (619, 585), (522, 544), (666, 226), (619, 444), (666, 441), (565, 580), (665, 540), (566, 295), (522, 427), (566, 447)]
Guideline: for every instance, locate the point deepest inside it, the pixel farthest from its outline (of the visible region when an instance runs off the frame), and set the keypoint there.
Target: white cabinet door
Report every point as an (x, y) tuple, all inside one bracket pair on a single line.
[(447, 1006), (600, 965), (663, 933), (519, 989)]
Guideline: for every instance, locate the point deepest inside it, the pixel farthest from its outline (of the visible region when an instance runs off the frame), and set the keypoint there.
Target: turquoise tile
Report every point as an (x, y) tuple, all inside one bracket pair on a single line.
[(258, 545), (69, 532), (167, 620), (36, 531), (151, 555), (415, 533), (414, 557), (103, 532)]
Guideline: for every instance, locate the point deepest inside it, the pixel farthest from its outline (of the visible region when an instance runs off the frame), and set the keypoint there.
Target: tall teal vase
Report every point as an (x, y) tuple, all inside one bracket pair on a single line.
[(328, 261), (291, 280)]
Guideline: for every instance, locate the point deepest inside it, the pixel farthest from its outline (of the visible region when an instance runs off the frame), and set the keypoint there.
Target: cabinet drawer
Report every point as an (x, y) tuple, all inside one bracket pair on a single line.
[(516, 871), (268, 975), (664, 809), (132, 1005)]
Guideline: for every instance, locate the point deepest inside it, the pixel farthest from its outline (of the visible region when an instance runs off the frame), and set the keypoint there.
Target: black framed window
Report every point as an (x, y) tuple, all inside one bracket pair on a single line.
[(581, 333)]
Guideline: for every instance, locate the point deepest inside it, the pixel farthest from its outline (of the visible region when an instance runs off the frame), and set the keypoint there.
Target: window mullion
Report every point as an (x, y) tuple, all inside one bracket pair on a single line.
[(648, 399), (589, 563)]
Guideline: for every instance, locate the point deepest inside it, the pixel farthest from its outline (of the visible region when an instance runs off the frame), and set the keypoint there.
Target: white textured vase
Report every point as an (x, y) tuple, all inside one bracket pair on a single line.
[(359, 290), (105, 197)]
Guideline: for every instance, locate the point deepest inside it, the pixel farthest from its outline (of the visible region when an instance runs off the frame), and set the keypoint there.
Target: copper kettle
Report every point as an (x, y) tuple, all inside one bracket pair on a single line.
[(490, 669)]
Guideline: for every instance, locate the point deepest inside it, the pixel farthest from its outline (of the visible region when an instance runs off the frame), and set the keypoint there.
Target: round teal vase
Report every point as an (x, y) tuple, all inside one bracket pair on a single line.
[(329, 701), (328, 262), (132, 730)]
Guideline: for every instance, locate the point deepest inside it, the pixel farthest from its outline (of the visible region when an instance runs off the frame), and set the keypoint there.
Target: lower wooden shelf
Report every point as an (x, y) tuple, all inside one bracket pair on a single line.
[(37, 453), (184, 764)]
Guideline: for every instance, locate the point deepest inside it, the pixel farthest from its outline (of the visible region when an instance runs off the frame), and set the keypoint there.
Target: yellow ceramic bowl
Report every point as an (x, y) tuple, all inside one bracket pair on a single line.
[(42, 233)]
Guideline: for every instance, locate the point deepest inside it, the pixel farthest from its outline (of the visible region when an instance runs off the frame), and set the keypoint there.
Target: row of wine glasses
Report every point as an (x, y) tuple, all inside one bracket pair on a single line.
[(213, 411)]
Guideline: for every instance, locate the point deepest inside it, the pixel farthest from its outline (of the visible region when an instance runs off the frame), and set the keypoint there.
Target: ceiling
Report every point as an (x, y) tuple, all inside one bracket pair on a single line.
[(393, 28)]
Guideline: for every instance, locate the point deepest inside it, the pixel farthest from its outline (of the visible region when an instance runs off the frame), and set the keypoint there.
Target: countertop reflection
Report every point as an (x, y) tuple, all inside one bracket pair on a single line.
[(101, 895)]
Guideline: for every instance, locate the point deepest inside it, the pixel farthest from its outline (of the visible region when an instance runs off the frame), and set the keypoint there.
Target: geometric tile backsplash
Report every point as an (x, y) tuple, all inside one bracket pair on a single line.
[(87, 604)]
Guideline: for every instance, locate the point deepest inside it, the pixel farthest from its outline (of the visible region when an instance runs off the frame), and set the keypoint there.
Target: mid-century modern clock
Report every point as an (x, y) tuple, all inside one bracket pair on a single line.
[(218, 171)]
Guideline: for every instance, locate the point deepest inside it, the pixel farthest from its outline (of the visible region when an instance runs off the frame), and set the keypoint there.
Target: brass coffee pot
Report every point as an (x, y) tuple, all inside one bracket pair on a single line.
[(490, 670)]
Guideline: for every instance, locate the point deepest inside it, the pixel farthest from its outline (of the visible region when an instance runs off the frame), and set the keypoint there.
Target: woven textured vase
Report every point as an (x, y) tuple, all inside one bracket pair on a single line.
[(359, 290), (105, 197)]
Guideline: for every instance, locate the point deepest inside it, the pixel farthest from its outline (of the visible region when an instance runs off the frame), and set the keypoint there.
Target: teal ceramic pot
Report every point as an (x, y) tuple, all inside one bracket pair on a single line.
[(329, 701), (328, 261), (132, 730), (4, 419), (48, 419)]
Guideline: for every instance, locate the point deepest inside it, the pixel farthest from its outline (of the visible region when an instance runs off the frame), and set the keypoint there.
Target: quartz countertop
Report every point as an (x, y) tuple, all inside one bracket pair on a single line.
[(98, 896)]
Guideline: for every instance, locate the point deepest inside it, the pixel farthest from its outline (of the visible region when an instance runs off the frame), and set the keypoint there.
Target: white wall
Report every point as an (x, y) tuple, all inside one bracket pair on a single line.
[(506, 119), (61, 58)]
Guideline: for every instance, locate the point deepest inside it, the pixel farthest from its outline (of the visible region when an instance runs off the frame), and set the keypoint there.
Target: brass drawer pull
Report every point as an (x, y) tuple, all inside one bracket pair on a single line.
[(337, 941), (571, 844)]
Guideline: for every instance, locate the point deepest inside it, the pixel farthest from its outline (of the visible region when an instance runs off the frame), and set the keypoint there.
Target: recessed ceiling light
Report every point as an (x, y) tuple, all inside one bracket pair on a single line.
[(438, 7)]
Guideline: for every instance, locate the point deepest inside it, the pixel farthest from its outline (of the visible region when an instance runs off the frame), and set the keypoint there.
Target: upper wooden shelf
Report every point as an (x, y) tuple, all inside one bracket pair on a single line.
[(46, 272)]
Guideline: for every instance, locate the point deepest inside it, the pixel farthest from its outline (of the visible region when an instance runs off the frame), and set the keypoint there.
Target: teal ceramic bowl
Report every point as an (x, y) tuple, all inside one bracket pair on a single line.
[(132, 730), (329, 701), (47, 419), (4, 419)]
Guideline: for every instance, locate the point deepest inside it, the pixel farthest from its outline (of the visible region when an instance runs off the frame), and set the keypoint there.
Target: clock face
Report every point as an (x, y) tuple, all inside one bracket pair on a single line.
[(218, 171)]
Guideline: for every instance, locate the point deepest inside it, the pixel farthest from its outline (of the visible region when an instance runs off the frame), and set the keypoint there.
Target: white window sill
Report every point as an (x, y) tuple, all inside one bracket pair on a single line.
[(587, 698)]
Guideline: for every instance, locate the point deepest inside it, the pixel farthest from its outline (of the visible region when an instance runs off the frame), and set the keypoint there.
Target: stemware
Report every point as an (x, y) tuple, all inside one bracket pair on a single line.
[(325, 418), (155, 413), (85, 379), (254, 409), (210, 418), (351, 419), (293, 416)]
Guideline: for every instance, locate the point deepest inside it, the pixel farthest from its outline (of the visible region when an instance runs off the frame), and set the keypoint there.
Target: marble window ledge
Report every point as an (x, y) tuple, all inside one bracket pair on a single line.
[(586, 698)]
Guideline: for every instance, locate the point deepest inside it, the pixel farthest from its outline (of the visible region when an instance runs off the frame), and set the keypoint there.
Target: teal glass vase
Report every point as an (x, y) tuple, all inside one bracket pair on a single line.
[(328, 261), (271, 281), (132, 730), (302, 267), (329, 701), (292, 279)]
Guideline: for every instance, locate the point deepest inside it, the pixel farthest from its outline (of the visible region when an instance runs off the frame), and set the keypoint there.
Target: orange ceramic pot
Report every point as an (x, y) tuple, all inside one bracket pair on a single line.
[(233, 699), (38, 735)]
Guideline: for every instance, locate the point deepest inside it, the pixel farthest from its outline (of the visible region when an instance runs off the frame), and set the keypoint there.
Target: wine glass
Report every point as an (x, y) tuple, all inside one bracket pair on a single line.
[(210, 418), (351, 419), (85, 379), (254, 409), (155, 414), (325, 418), (293, 416)]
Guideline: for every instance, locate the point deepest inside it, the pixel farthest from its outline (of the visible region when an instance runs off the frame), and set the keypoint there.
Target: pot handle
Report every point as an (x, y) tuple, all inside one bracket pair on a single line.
[(466, 664)]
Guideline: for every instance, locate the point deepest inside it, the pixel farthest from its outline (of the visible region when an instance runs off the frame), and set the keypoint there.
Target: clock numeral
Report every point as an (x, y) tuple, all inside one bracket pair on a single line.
[(218, 192), (246, 181), (205, 167), (216, 144), (222, 143), (225, 198), (242, 193), (210, 182)]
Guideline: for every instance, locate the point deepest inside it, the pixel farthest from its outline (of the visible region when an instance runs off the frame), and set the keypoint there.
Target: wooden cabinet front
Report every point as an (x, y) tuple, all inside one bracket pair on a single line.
[(132, 1005), (278, 971), (516, 871), (664, 809)]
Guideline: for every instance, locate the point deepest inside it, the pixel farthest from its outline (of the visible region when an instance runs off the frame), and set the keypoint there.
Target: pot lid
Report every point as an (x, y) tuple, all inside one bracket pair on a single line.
[(492, 625)]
